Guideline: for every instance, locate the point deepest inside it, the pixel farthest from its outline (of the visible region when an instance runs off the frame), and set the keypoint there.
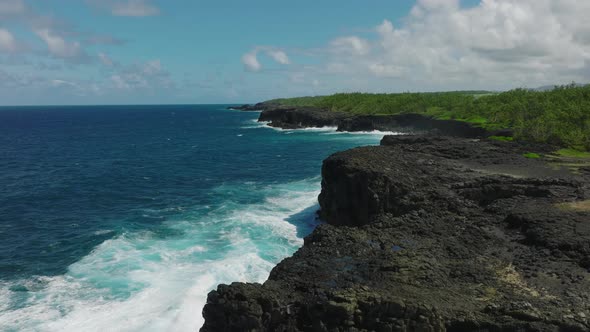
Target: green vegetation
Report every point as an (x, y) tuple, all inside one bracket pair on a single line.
[(560, 116), (502, 138), (572, 153), (532, 155)]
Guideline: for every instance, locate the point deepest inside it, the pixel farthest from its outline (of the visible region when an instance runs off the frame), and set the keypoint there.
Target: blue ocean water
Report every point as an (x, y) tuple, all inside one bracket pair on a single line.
[(122, 218)]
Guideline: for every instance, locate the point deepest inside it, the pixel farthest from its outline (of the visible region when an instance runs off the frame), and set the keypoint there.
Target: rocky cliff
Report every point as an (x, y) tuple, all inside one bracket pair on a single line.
[(301, 117), (304, 117), (255, 107), (429, 233)]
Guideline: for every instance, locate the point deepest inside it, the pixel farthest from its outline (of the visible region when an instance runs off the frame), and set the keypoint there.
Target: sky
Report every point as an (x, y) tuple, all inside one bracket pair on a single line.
[(60, 52)]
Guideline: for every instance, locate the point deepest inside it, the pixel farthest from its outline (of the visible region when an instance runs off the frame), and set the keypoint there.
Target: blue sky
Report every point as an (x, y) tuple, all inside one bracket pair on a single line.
[(228, 51)]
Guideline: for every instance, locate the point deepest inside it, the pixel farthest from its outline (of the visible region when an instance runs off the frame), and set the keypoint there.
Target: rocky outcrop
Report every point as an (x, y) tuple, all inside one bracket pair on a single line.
[(255, 107), (305, 117), (428, 233), (411, 122), (302, 117)]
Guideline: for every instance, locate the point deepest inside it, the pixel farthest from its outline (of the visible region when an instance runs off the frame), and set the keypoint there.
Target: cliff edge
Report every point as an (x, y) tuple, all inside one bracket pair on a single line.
[(430, 233)]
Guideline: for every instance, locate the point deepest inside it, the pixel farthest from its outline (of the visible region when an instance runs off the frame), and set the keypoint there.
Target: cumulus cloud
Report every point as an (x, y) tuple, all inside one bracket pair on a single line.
[(496, 44), (56, 64), (137, 8), (279, 56), (351, 44), (57, 45), (527, 41), (250, 59), (7, 41)]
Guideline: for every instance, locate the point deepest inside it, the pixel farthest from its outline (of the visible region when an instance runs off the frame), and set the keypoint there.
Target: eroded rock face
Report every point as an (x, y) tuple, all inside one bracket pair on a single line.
[(306, 117), (255, 107), (302, 117), (412, 123), (430, 234)]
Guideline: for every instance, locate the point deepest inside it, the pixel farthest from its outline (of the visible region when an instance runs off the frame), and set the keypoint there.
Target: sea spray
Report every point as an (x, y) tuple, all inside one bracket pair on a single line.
[(138, 212), (153, 282)]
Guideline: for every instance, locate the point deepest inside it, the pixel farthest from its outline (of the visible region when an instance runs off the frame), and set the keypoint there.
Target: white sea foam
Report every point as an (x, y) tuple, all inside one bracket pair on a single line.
[(255, 124), (151, 282), (326, 130), (103, 232), (307, 129), (146, 282), (372, 132)]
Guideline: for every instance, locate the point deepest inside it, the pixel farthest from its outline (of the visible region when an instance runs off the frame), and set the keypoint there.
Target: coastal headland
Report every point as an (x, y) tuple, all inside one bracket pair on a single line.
[(452, 227)]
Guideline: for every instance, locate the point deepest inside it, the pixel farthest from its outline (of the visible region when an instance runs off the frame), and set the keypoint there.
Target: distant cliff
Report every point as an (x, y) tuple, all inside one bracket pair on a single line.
[(558, 116), (303, 117)]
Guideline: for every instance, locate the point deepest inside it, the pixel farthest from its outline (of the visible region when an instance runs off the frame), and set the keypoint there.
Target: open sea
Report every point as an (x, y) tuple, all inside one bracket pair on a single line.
[(123, 218)]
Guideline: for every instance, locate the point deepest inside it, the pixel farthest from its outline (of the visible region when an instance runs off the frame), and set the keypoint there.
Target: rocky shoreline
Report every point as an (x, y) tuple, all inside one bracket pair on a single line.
[(428, 233), (306, 117)]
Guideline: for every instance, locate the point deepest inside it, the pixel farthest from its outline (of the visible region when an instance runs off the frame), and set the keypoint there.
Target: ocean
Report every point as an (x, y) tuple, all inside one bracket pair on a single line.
[(123, 218)]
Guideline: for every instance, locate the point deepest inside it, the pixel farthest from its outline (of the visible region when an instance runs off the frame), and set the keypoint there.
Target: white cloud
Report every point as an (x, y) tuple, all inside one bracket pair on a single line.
[(498, 41), (137, 8), (149, 75), (438, 4), (351, 44), (57, 45), (60, 83), (250, 59), (119, 82), (7, 41), (12, 7), (279, 56), (440, 45), (383, 70)]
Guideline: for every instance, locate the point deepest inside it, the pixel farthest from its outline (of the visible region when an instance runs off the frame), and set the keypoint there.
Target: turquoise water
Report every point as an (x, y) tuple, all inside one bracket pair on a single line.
[(124, 218)]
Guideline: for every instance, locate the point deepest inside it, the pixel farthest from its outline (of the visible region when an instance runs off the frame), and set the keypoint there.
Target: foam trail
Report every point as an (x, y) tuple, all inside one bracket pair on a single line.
[(372, 132), (146, 282), (255, 124), (326, 130), (307, 129)]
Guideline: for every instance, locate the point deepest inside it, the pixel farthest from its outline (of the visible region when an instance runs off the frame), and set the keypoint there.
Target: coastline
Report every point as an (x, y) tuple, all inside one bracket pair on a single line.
[(427, 233), (286, 117)]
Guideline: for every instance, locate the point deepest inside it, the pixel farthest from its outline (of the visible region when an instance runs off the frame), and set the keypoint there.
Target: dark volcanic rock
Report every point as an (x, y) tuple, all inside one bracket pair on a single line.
[(304, 117), (411, 122), (256, 107), (428, 233)]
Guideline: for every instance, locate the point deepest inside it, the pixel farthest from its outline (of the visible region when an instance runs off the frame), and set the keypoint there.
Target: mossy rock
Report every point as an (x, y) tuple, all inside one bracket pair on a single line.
[(532, 155)]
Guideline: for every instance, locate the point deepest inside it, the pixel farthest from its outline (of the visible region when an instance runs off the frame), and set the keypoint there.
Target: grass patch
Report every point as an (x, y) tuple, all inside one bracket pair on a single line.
[(532, 155), (583, 206), (502, 138), (573, 153), (511, 276)]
